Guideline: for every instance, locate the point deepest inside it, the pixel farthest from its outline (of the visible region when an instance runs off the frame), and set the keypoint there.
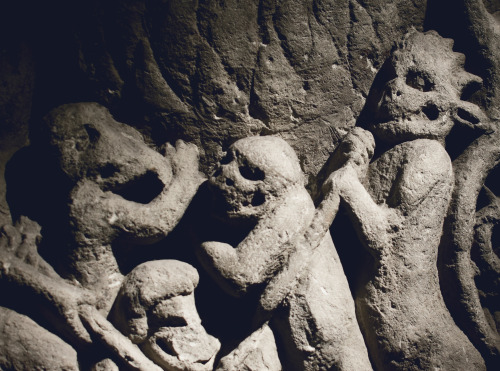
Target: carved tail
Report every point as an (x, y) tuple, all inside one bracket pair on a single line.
[(456, 268)]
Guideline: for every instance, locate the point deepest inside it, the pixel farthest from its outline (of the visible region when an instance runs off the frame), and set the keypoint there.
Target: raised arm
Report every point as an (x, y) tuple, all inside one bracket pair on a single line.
[(402, 179), (133, 221)]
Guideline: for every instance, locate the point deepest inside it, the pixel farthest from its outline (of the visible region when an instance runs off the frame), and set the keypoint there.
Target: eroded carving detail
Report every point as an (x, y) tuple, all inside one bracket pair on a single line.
[(399, 209), (404, 201), (314, 318), (155, 308)]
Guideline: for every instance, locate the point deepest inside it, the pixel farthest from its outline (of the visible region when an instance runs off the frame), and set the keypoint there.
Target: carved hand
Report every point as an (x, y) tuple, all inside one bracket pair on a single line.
[(184, 158), (358, 147)]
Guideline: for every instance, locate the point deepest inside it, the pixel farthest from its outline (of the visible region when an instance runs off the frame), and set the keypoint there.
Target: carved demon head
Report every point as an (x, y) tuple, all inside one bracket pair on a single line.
[(91, 145), (155, 308), (255, 171), (422, 90)]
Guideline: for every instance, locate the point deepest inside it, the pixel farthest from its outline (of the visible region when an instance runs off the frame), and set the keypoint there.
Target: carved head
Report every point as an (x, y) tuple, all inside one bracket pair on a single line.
[(255, 171), (155, 309), (91, 145), (423, 90)]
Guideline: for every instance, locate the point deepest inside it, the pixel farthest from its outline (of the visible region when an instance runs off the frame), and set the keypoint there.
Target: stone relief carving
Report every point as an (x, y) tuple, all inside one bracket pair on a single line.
[(103, 285), (400, 209), (155, 309), (260, 182)]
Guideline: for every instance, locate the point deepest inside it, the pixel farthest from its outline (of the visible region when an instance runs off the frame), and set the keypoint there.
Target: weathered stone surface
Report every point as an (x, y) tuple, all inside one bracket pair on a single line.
[(155, 309), (399, 215), (256, 353), (122, 191), (259, 183), (101, 188), (24, 345)]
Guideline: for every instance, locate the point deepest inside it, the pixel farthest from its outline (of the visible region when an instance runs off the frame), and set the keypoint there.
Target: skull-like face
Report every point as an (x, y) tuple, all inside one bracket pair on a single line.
[(255, 171), (156, 310), (424, 91), (92, 145)]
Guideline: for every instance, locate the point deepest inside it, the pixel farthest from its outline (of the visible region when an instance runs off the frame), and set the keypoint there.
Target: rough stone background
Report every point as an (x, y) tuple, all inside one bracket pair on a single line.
[(203, 71), (211, 72)]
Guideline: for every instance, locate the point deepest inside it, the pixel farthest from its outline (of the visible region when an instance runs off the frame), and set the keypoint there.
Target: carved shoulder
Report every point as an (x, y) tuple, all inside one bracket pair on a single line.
[(405, 175)]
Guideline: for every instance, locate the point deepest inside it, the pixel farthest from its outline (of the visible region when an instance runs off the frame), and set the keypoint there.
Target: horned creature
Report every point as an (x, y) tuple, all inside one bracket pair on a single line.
[(398, 204)]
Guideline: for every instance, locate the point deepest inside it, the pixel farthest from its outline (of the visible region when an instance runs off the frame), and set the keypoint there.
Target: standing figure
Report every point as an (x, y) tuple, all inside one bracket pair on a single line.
[(260, 185), (398, 205), (123, 192)]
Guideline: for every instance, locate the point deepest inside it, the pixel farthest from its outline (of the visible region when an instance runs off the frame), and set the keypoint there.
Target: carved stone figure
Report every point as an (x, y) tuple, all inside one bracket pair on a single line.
[(399, 208), (124, 192), (260, 184), (155, 309)]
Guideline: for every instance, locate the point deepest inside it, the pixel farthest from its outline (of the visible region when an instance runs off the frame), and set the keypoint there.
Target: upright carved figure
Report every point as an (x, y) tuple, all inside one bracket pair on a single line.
[(260, 184), (124, 191), (399, 208)]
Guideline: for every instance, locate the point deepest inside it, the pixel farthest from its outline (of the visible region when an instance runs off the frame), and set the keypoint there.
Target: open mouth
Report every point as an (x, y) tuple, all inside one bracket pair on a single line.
[(141, 189), (186, 348)]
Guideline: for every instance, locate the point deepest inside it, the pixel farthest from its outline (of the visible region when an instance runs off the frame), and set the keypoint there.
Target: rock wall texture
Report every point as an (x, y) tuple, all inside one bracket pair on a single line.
[(250, 185)]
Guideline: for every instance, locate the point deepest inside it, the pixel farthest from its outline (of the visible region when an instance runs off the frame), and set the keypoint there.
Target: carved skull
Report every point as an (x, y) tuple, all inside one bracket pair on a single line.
[(255, 171), (91, 145), (424, 91), (155, 308)]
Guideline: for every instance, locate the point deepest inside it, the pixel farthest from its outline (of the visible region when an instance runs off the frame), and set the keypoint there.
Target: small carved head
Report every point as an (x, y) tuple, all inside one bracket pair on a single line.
[(155, 309), (423, 91), (255, 171)]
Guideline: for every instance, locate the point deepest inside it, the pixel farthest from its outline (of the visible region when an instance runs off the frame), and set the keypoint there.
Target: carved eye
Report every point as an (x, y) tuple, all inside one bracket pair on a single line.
[(419, 80), (431, 111), (92, 132), (227, 158), (250, 172)]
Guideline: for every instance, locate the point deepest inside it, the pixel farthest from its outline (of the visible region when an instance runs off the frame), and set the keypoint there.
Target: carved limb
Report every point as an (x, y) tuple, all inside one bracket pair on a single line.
[(264, 250), (69, 309), (354, 152), (118, 344), (371, 220), (302, 247), (136, 222), (57, 300)]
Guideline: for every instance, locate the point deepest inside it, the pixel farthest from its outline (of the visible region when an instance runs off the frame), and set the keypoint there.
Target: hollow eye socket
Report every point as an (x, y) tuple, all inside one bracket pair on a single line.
[(227, 158), (92, 132), (250, 172), (419, 80)]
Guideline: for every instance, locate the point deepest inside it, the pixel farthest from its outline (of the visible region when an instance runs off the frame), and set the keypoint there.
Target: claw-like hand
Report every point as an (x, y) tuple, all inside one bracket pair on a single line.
[(357, 149), (185, 159), (351, 159)]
